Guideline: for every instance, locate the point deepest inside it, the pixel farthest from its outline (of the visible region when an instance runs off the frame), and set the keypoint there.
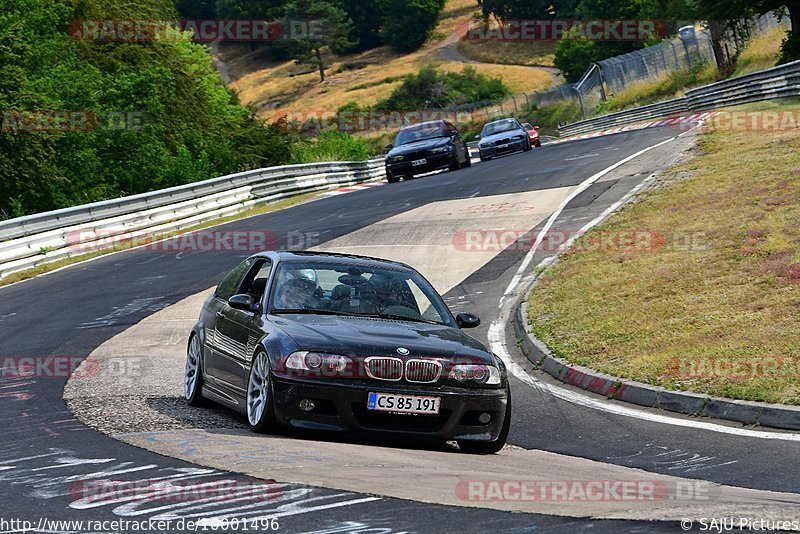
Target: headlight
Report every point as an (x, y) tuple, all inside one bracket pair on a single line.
[(479, 374), (441, 149), (319, 364), (518, 137), (394, 159)]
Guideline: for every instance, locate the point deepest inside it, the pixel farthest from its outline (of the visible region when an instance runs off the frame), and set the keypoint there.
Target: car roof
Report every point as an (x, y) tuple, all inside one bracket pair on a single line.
[(507, 119), (336, 257), (423, 125)]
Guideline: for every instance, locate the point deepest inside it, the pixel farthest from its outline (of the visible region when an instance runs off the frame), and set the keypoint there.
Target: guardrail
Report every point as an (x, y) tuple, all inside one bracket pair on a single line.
[(33, 240), (628, 116), (778, 82)]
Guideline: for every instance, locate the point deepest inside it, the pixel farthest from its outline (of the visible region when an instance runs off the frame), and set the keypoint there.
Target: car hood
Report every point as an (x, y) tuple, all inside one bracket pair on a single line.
[(501, 135), (416, 146), (362, 337)]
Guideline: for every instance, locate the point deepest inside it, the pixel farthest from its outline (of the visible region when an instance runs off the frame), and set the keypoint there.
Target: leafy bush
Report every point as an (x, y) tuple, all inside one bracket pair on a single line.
[(330, 146), (434, 89), (187, 125)]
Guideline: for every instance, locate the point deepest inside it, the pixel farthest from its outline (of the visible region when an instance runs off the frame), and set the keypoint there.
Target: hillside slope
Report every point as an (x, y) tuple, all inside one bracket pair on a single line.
[(275, 87)]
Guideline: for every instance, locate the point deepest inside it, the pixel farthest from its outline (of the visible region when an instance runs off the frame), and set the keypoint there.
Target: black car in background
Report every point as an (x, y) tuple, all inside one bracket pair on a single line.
[(345, 343), (425, 147)]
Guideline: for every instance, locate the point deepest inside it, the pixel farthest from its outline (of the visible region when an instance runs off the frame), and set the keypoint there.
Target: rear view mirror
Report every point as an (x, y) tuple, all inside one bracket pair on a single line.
[(477, 137), (467, 320), (535, 127), (389, 146)]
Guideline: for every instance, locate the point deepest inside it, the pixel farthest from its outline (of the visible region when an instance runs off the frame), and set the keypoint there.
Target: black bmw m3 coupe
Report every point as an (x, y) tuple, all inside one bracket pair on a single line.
[(345, 343)]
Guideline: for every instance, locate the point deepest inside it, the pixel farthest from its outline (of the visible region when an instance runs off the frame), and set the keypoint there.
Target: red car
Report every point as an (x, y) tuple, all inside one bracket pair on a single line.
[(533, 133)]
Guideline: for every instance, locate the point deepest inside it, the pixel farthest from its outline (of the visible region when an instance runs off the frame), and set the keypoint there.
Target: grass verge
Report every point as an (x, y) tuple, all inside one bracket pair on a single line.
[(709, 301), (762, 52), (127, 245), (672, 85), (530, 53)]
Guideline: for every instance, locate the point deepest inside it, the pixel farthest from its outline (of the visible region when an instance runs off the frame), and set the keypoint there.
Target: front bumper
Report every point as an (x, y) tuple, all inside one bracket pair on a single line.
[(505, 148), (342, 407), (432, 163)]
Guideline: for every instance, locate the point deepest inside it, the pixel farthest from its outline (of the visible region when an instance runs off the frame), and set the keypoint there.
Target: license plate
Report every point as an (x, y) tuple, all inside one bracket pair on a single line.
[(415, 404), (418, 162)]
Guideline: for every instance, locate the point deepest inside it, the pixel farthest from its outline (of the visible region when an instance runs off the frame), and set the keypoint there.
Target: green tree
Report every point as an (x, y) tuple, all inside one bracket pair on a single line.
[(527, 9), (325, 28), (187, 126), (729, 10), (433, 89), (407, 24), (367, 17)]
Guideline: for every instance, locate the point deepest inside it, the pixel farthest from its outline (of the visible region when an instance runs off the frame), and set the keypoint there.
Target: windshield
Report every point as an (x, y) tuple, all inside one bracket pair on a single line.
[(338, 289), (413, 134), (499, 126)]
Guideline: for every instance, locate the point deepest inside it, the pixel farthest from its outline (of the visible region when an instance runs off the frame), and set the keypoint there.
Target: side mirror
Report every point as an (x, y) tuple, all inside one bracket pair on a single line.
[(467, 320), (535, 127), (389, 146), (478, 136), (242, 302)]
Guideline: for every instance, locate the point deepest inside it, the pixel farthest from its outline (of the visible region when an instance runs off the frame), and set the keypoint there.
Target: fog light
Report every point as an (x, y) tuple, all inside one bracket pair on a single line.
[(307, 405), (484, 418)]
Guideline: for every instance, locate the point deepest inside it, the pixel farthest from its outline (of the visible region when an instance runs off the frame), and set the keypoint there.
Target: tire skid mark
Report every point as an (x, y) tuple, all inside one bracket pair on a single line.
[(61, 473)]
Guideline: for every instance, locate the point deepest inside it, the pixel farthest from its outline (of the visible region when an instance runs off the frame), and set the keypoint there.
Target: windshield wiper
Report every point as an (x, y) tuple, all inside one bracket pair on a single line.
[(311, 311), (346, 314), (398, 318)]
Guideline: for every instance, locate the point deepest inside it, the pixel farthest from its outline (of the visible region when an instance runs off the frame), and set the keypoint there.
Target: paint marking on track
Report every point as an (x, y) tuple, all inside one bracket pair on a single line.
[(353, 188), (498, 345)]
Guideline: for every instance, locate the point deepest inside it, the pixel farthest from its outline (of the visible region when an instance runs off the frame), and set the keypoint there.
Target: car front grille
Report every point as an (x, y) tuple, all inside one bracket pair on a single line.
[(384, 368), (423, 371)]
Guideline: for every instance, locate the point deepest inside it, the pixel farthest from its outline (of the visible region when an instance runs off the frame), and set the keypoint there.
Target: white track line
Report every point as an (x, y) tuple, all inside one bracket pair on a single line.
[(497, 340)]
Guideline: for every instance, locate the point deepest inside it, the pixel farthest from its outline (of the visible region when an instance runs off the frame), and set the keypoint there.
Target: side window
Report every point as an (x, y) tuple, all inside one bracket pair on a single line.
[(227, 288), (255, 283)]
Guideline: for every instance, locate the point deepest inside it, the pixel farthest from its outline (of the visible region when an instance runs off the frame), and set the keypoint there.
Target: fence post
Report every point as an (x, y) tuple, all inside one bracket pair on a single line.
[(580, 101), (602, 76)]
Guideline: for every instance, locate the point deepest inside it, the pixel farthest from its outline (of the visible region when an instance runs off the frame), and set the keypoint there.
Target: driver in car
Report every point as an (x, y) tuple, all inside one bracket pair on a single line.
[(297, 294)]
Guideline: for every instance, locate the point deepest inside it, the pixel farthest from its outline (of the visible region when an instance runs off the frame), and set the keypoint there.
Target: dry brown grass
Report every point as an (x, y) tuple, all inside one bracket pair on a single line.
[(532, 53), (274, 88), (762, 52), (725, 285)]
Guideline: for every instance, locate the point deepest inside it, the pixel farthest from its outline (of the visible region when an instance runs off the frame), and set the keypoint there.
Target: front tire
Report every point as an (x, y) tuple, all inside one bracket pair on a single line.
[(538, 144), (528, 146), (193, 373), (260, 406), (490, 447), (484, 158), (454, 163)]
